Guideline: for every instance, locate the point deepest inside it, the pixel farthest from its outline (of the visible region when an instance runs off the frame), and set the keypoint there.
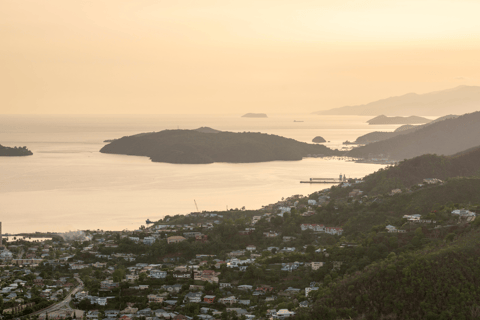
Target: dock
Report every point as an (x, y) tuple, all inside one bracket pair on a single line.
[(326, 180)]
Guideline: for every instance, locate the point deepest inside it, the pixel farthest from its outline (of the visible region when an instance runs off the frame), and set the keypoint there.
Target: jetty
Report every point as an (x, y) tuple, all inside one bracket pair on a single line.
[(340, 179)]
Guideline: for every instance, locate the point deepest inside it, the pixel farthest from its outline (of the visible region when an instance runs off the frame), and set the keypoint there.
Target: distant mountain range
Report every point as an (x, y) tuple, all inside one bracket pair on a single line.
[(445, 137), (206, 145), (462, 99)]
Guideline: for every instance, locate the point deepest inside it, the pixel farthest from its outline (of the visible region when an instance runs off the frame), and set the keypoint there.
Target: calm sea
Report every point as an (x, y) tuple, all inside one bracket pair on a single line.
[(68, 185)]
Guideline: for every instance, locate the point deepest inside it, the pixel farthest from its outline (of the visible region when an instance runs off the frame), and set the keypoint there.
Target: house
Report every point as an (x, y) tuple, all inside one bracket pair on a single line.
[(158, 274), (315, 265), (149, 241), (391, 228), (175, 239), (334, 230), (244, 302), (101, 301), (464, 213), (245, 287), (176, 288), (283, 313), (413, 218), (270, 234), (314, 227), (155, 298), (395, 191), (312, 202), (209, 299), (303, 304), (288, 238), (193, 297), (432, 181), (108, 284), (225, 285), (251, 247), (228, 300)]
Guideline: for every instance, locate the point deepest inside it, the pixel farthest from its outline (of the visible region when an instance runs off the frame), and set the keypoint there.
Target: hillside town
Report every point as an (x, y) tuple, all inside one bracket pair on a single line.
[(236, 264)]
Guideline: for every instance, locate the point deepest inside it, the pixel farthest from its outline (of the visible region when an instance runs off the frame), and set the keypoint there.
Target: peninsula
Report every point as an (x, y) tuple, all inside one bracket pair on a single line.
[(398, 120), (14, 152), (196, 147)]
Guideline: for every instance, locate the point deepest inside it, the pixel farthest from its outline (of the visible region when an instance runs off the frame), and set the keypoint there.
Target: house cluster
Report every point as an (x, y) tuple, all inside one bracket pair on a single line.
[(322, 228)]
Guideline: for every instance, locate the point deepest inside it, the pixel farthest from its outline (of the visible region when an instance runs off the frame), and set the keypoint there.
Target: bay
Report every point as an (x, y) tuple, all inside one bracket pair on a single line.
[(68, 185)]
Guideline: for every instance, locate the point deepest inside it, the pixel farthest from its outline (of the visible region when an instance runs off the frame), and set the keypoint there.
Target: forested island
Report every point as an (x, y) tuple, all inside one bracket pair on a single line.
[(254, 115), (14, 152), (201, 146), (319, 139)]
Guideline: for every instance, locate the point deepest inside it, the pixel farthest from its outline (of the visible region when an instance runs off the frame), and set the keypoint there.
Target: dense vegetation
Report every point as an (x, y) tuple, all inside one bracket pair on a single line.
[(190, 146), (445, 138), (410, 172), (15, 151), (440, 281)]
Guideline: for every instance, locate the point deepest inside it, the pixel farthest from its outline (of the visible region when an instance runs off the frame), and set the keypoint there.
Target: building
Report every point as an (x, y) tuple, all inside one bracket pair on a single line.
[(251, 247), (158, 274), (175, 239), (209, 299), (149, 240), (315, 265)]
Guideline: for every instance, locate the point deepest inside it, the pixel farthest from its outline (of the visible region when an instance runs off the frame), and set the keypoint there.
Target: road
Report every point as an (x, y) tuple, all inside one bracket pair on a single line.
[(64, 304)]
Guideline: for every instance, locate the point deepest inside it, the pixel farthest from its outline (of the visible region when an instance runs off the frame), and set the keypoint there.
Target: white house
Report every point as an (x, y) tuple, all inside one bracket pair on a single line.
[(158, 274), (149, 240)]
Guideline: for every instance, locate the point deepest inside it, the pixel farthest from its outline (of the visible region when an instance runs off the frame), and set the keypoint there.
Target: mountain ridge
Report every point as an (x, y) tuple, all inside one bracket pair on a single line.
[(461, 99)]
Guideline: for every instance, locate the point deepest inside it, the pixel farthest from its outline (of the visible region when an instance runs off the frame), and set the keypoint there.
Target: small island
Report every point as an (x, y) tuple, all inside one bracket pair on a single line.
[(398, 120), (14, 152), (319, 139), (254, 115), (198, 147)]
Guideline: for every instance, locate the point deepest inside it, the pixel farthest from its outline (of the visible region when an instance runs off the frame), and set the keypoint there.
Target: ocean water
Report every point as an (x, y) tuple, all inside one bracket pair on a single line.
[(68, 185)]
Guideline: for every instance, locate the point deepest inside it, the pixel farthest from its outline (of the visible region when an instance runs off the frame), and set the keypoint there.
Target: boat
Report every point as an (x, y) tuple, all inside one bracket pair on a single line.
[(297, 120)]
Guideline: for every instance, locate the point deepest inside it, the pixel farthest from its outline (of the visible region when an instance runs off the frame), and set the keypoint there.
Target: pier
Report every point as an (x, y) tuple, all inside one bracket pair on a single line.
[(340, 179)]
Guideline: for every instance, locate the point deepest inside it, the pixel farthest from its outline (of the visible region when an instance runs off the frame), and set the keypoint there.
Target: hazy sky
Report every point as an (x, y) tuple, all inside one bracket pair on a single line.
[(205, 56)]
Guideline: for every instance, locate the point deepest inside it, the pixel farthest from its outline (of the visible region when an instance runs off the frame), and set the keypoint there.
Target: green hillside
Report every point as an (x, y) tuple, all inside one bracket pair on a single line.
[(446, 137), (410, 172), (439, 281)]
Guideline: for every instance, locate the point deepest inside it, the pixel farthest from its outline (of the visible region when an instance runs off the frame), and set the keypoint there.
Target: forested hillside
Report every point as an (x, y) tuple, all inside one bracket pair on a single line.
[(444, 138), (410, 172), (440, 281)]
